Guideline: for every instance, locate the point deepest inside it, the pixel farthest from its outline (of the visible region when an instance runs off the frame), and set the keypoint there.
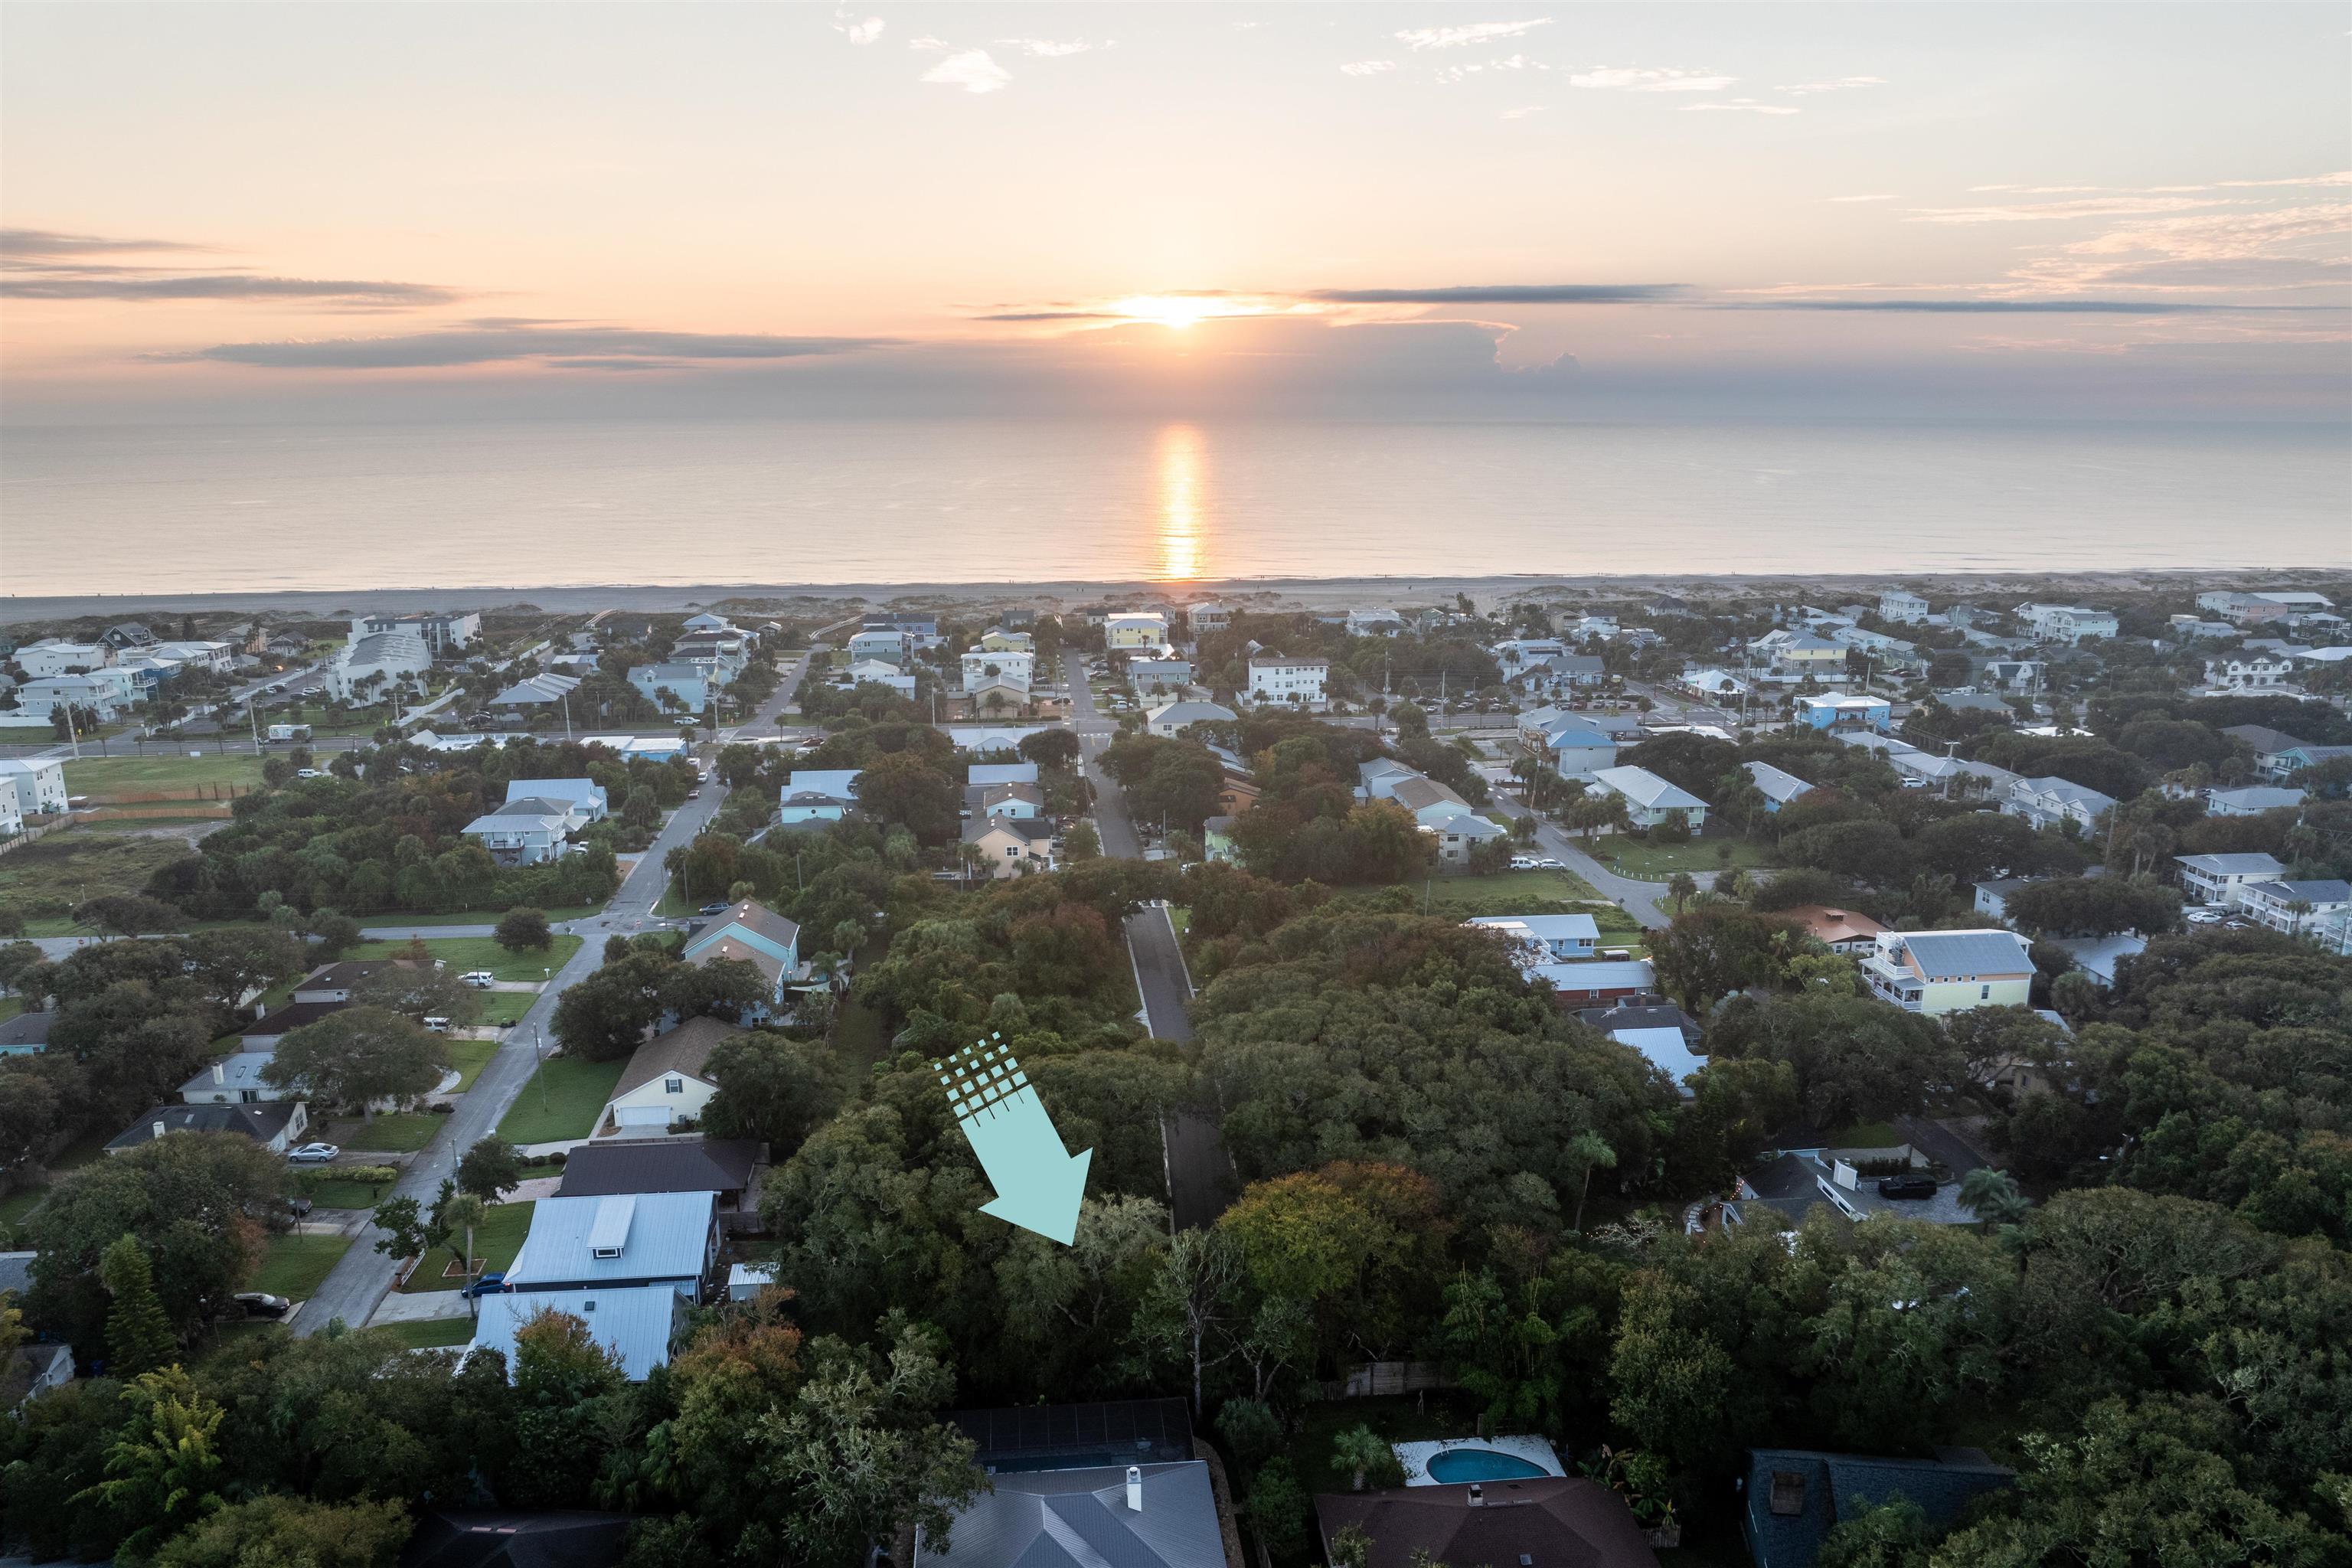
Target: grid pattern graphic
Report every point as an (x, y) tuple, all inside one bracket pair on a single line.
[(981, 1078)]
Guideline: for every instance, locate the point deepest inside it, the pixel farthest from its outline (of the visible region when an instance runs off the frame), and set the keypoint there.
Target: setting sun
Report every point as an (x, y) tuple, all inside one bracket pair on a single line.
[(1178, 311)]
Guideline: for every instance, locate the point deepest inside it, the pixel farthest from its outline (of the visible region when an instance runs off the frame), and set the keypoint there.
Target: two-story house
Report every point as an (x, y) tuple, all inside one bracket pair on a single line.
[(819, 795), (619, 1241), (2296, 908), (526, 831), (1279, 678), (1547, 938), (1938, 972)]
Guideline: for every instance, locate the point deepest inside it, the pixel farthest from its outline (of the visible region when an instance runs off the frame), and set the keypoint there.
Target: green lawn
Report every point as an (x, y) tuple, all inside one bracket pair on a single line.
[(10, 1007), (496, 1241), (1656, 862), (1864, 1135), (574, 1092), (401, 919), (337, 1193), (1182, 919), (1500, 893), (293, 1265), (119, 825), (505, 1008), (403, 1133), (470, 1057), (16, 1209), (48, 877), (163, 772), (465, 954), (430, 1333)]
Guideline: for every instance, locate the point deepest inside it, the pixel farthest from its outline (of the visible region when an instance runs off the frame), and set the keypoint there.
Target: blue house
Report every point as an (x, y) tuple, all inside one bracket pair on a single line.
[(1795, 1496), (1845, 713), (753, 933)]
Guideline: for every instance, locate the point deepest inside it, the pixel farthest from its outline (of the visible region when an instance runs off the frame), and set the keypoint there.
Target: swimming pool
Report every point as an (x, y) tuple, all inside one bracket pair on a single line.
[(1480, 1464)]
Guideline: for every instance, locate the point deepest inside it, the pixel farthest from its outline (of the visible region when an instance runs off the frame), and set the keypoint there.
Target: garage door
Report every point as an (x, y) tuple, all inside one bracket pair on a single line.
[(641, 1115)]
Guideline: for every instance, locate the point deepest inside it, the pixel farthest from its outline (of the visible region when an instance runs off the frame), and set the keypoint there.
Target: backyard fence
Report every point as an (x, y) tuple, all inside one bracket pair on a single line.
[(1371, 1379)]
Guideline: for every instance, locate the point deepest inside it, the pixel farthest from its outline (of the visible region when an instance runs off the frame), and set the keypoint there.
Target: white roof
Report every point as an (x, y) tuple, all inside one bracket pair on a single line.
[(1470, 825), (1645, 788), (1596, 974), (2255, 864), (1000, 772), (835, 784), (663, 1235), (1540, 928), (636, 1323), (1665, 1047), (1776, 783), (1188, 712)]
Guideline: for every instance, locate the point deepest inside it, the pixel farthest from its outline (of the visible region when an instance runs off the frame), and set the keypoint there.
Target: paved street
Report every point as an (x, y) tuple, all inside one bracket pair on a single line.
[(1200, 1177), (363, 1276), (1638, 898)]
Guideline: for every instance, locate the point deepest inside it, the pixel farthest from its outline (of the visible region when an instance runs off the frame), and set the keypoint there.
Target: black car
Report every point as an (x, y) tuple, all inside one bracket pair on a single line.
[(299, 1207), (1907, 1188), (262, 1304)]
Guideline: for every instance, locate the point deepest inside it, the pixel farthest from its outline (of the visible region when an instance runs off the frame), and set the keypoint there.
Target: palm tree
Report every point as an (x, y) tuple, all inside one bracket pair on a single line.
[(1992, 1196), (1681, 887), (464, 1211), (1588, 1150), (1359, 1449)]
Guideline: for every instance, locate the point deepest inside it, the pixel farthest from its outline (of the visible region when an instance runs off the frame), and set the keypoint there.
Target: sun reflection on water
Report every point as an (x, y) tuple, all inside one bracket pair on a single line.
[(1179, 458)]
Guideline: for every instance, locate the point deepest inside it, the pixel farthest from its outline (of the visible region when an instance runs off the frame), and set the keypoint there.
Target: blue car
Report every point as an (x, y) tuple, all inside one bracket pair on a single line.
[(487, 1284)]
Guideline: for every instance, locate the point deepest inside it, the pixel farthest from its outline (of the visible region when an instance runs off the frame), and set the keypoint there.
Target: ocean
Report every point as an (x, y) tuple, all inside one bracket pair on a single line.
[(229, 509)]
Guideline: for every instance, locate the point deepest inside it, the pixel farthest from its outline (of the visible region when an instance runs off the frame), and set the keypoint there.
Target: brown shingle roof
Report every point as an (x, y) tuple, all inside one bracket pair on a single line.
[(684, 1049), (1558, 1522), (753, 916), (743, 953)]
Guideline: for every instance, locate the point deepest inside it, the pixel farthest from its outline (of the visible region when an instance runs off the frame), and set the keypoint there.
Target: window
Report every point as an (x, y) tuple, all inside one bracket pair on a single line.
[(1984, 993), (673, 1086)]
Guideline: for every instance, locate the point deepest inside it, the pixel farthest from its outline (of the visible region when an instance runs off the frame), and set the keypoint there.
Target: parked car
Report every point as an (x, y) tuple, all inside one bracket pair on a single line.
[(487, 1284), (713, 909), (1907, 1188), (1549, 863), (315, 1155), (479, 979), (262, 1304), (299, 1207), (693, 794), (310, 773), (1523, 862), (436, 1022)]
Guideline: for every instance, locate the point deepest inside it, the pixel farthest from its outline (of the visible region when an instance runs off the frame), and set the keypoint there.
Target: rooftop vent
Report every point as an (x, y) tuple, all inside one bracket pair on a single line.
[(1478, 1498), (1135, 1487), (1788, 1493)]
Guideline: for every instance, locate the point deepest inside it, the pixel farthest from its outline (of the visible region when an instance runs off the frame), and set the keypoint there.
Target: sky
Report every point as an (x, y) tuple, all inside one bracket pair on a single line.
[(1452, 210)]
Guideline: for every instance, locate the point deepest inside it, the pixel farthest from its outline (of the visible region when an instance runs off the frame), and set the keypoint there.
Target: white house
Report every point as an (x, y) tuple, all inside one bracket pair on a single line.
[(1576, 751), (2048, 801), (2221, 878), (2295, 907), (2066, 622), (1297, 682), (886, 642), (11, 814), (1462, 832), (1550, 938), (525, 831), (820, 794), (689, 684), (878, 672), (2249, 671), (1170, 717), (374, 662), (51, 656), (668, 1080), (1374, 623), (1939, 971), (1651, 800), (448, 629), (981, 665), (1898, 605), (2252, 801), (584, 797)]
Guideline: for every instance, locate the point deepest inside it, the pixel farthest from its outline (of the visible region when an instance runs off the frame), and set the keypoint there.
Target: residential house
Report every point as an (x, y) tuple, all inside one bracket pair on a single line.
[(1378, 779), (1991, 896), (981, 665), (1714, 685), (667, 1082), (1135, 630), (585, 797), (12, 812), (1429, 802), (886, 642), (996, 639), (1022, 800), (264, 1032), (1217, 841), (688, 686), (2097, 956), (2245, 671), (27, 1034), (46, 694), (1150, 676), (1011, 846), (1547, 938), (730, 1167), (1460, 832), (637, 1323), (335, 982), (821, 794), (1790, 656), (1976, 702), (2222, 878), (1651, 800), (1840, 930), (750, 932), (235, 1079), (52, 655), (877, 672), (2025, 675), (526, 832), (1795, 1497), (1236, 792), (1845, 713), (1554, 1521), (1899, 605), (1577, 751), (2252, 801), (2050, 802), (29, 1371), (1277, 678), (517, 1538), (1666, 1047), (1776, 785), (441, 633), (41, 784), (1171, 718), (996, 694), (128, 636), (1208, 615), (2268, 747), (2244, 609), (1939, 971), (1596, 983), (2192, 628), (2296, 758), (373, 663), (1000, 772), (1087, 1486), (621, 1239), (2296, 908), (276, 1125)]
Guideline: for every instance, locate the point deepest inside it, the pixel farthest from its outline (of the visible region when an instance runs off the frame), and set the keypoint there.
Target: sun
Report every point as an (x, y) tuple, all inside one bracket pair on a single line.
[(1179, 311)]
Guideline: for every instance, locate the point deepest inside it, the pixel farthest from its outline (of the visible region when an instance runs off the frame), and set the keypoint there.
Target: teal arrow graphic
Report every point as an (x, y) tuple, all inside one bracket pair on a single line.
[(1038, 1182)]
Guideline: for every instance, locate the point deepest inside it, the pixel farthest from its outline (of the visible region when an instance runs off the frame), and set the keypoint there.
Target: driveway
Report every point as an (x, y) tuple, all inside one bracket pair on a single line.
[(1638, 898), (359, 1283)]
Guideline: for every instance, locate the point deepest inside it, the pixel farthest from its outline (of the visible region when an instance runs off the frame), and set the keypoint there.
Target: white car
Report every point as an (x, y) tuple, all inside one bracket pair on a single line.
[(310, 773), (479, 979), (1549, 863), (314, 1155), (1522, 863)]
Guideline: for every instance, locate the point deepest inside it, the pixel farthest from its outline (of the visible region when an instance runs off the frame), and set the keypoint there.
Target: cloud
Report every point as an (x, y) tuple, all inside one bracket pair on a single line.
[(1503, 294), (1995, 307), (1050, 316), (1047, 48), (1650, 79), (1873, 198), (1836, 84), (2278, 248), (46, 264), (1738, 106), (1473, 33), (865, 32), (602, 348), (2040, 212), (971, 69), (1523, 112), (1368, 68)]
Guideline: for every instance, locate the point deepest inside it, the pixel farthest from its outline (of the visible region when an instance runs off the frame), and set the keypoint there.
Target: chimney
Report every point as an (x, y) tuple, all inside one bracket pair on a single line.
[(1477, 1495), (1134, 1489)]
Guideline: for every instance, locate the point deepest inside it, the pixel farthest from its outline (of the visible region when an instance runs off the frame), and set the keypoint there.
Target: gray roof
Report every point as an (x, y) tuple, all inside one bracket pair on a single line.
[(26, 1029), (16, 1271), (1824, 1489), (1942, 954), (661, 1237), (685, 1050), (2328, 890), (259, 1122), (660, 1166), (2255, 864), (1079, 1519), (2264, 741), (1777, 784), (1645, 788)]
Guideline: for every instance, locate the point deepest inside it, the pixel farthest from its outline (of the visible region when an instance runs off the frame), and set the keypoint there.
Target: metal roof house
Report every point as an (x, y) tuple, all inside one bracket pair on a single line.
[(1085, 1486), (1649, 799), (1777, 786), (2221, 878), (637, 1323), (1560, 938), (1939, 971), (1794, 1497), (820, 794), (584, 797), (623, 1239)]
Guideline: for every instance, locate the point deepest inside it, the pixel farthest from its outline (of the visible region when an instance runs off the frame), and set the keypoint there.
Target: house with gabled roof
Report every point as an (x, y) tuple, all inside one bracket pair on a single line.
[(1938, 972), (2220, 878), (526, 831), (1796, 1496), (1776, 785), (1649, 799), (749, 932), (819, 795), (620, 1240), (585, 797), (666, 1081)]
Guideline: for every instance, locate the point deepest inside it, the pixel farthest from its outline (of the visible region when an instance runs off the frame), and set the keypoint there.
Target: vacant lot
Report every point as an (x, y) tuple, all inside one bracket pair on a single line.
[(46, 880), (1656, 862), (464, 953), (561, 1100), (430, 1333), (166, 774), (402, 920), (294, 1265), (401, 1133)]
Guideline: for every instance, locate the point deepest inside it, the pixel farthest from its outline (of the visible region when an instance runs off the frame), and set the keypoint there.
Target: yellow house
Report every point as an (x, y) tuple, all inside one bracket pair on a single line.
[(1938, 972), (1139, 629)]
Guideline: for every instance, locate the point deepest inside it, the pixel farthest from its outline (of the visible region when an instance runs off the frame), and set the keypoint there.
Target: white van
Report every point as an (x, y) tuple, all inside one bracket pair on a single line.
[(438, 1024)]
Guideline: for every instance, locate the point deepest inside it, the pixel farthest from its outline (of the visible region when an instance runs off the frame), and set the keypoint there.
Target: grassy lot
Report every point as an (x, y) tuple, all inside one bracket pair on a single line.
[(162, 773), (119, 825), (1502, 893), (1397, 1420), (46, 878), (575, 1092), (1864, 1135), (16, 1209), (338, 1193), (496, 1241), (1656, 862), (293, 1265), (470, 1057), (1182, 919), (10, 1007), (465, 954), (430, 1333), (506, 1007), (401, 1133), (401, 918)]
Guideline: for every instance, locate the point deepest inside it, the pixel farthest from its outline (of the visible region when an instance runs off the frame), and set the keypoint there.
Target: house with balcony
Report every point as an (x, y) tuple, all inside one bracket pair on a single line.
[(1651, 800), (2268, 745), (1279, 679), (1845, 713), (2052, 802), (41, 784), (586, 797), (2247, 609), (1788, 657), (373, 663), (1462, 832), (1938, 971), (2296, 908), (1900, 604), (982, 664), (2302, 754), (1151, 677), (2221, 878), (883, 641), (1135, 629), (2253, 800), (49, 693), (526, 831), (1572, 749), (2248, 671)]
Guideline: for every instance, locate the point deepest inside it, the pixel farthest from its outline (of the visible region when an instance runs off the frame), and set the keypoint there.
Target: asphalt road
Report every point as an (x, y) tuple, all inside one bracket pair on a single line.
[(352, 1289), (1202, 1181), (1638, 898)]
